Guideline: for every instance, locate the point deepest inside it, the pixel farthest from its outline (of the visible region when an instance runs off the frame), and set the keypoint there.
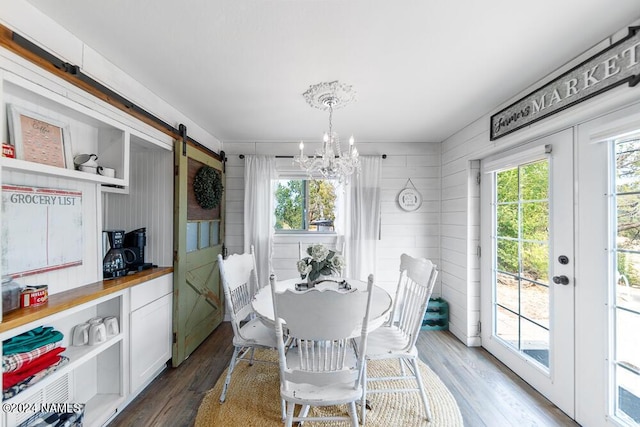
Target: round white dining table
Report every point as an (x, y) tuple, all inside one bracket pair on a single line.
[(262, 302)]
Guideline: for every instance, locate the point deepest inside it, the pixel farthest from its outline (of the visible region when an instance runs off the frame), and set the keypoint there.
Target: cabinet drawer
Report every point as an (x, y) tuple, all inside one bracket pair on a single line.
[(150, 291)]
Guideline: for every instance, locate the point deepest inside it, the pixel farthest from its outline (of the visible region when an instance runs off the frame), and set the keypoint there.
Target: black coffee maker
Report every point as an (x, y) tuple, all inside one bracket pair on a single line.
[(135, 241), (118, 258)]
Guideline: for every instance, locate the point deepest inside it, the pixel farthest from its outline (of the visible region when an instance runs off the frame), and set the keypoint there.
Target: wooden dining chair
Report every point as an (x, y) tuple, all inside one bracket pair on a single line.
[(321, 367), (237, 273), (397, 338)]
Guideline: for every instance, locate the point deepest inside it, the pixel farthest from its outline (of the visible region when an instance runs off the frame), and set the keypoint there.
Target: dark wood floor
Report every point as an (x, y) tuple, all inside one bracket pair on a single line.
[(487, 393)]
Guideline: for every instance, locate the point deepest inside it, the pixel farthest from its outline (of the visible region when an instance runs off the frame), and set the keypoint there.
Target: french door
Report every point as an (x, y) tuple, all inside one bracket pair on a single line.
[(527, 294), (608, 298)]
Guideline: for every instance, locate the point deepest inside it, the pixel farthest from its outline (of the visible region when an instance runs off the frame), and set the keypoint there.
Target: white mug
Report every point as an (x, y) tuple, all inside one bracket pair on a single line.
[(95, 320), (108, 172), (80, 334), (97, 333), (111, 324)]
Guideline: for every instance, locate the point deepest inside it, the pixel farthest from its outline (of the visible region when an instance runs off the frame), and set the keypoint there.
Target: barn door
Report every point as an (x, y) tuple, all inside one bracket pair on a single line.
[(198, 235)]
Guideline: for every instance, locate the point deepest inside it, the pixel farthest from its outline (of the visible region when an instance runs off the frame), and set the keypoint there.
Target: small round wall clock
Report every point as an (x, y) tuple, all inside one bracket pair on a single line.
[(409, 199)]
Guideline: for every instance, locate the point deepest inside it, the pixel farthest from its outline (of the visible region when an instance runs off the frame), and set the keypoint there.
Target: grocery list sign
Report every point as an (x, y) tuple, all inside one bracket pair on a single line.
[(616, 65), (41, 229)]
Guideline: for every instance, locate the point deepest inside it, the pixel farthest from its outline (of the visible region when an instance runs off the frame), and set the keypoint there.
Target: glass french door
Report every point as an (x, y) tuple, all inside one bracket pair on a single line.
[(609, 299), (625, 282), (527, 294)]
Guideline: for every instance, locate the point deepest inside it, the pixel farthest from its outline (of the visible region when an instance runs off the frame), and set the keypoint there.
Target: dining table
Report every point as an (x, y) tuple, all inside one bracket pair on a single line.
[(262, 302)]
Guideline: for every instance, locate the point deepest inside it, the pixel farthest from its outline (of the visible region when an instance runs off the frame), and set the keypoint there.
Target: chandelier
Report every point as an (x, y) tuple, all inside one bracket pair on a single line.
[(331, 162)]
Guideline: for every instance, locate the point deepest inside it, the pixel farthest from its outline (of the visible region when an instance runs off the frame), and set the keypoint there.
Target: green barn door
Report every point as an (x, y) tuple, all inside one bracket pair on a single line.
[(198, 304)]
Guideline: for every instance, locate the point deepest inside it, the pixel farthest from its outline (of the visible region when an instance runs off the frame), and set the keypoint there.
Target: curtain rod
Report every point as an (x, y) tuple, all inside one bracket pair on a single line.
[(384, 156)]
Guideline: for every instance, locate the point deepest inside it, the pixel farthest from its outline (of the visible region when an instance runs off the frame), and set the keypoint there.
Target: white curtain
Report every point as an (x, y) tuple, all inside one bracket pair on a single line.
[(259, 210), (363, 218)]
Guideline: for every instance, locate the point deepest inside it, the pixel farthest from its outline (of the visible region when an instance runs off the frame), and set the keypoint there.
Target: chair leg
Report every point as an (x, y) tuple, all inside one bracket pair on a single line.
[(363, 402), (416, 370), (402, 369), (353, 412), (283, 403), (232, 365), (290, 407), (253, 349), (304, 411)]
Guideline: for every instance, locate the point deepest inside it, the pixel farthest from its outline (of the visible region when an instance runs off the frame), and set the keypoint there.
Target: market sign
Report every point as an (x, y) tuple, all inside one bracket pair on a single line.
[(616, 65)]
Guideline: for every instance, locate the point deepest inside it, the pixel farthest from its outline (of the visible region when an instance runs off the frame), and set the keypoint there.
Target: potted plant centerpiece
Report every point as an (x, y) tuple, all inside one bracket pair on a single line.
[(320, 263)]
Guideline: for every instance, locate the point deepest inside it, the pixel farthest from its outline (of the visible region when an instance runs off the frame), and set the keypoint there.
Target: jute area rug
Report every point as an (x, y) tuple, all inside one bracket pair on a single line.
[(253, 399)]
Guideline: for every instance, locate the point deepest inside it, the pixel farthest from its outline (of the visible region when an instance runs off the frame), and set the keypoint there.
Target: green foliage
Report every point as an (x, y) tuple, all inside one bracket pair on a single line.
[(522, 220), (322, 200), (627, 268), (628, 209), (290, 203), (207, 187)]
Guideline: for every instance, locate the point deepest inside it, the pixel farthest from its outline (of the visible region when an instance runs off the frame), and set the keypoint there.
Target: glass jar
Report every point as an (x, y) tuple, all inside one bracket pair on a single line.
[(10, 294)]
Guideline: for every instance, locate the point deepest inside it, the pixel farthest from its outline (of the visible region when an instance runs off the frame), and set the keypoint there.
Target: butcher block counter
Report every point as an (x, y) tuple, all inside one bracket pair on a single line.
[(74, 297)]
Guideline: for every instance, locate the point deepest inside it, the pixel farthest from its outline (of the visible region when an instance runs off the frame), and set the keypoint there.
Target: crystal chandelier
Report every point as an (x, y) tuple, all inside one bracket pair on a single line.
[(331, 162)]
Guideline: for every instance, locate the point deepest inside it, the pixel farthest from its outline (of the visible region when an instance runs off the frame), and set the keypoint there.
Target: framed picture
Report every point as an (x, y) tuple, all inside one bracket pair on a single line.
[(39, 139)]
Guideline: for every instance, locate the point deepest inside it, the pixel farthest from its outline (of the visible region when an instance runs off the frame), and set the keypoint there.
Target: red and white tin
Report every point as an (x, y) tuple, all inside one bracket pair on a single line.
[(34, 295), (8, 151)]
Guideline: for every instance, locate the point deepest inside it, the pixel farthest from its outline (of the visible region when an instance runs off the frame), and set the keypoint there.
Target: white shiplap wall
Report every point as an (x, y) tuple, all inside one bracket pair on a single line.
[(415, 233), (460, 202), (149, 202)]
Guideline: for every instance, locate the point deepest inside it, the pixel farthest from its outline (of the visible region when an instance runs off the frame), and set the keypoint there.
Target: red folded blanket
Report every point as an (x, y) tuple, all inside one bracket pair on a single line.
[(10, 379)]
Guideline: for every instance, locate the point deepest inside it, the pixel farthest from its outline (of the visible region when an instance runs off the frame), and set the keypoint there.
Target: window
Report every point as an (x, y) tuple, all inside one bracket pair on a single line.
[(521, 286), (306, 205), (626, 280)]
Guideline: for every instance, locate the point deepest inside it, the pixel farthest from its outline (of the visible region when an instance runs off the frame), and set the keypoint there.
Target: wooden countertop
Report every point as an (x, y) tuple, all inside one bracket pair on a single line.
[(74, 297)]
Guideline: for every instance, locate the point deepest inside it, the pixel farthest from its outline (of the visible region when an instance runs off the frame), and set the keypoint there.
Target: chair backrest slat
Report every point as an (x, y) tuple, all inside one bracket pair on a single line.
[(239, 281), (415, 285)]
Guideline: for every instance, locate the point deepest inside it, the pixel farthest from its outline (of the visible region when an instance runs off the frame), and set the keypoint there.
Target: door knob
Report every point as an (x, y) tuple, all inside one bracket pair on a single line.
[(561, 280)]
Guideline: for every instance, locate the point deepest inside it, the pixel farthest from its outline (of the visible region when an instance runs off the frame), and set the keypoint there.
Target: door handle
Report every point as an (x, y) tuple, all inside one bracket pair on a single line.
[(561, 280)]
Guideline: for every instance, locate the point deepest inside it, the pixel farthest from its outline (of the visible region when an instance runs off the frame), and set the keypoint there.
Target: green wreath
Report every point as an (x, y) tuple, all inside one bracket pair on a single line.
[(207, 187)]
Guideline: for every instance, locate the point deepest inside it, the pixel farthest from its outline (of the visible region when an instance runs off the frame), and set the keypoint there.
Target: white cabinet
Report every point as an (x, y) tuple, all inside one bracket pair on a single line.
[(151, 330), (94, 375)]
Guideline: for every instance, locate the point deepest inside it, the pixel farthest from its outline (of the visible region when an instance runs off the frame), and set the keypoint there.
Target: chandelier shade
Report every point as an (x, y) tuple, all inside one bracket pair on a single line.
[(331, 162)]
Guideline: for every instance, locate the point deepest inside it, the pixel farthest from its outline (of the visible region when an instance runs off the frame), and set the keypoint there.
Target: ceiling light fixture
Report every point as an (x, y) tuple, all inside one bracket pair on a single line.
[(331, 162)]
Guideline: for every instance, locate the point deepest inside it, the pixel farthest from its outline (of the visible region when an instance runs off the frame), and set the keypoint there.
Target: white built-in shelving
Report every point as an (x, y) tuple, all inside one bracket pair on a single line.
[(93, 376), (89, 132), (98, 376)]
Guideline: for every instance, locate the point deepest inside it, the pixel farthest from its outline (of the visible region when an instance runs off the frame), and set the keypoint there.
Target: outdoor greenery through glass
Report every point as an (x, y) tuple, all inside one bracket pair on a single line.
[(626, 252), (522, 259), (306, 204)]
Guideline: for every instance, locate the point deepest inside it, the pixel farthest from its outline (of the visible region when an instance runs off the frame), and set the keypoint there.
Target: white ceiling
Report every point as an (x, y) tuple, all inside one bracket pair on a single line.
[(422, 69)]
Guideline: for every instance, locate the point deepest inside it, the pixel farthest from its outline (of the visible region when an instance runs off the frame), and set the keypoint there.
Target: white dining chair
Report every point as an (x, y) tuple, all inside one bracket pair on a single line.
[(321, 367), (237, 274), (397, 338)]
